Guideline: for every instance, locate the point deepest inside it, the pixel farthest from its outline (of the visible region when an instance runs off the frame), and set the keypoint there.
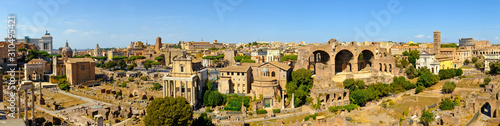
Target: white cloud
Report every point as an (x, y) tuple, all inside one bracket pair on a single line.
[(420, 36), (429, 36), (70, 31), (496, 38)]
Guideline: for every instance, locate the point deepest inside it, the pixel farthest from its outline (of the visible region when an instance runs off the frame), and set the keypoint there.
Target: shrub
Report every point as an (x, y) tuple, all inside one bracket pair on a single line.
[(250, 113), (124, 84), (130, 79), (447, 104), (156, 86), (261, 111), (419, 89), (448, 87), (208, 109), (276, 111), (144, 78)]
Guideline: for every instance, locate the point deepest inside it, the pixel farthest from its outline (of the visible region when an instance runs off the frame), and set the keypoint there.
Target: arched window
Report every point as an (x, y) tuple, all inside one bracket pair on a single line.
[(273, 74), (182, 68)]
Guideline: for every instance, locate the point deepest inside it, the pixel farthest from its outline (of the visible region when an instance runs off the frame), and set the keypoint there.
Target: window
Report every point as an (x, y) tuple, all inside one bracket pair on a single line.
[(232, 73), (273, 74), (238, 74), (182, 68), (227, 73), (83, 67), (242, 74)]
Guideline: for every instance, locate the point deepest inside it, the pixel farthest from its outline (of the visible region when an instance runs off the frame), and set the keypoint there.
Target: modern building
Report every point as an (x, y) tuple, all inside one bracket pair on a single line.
[(79, 70), (235, 79)]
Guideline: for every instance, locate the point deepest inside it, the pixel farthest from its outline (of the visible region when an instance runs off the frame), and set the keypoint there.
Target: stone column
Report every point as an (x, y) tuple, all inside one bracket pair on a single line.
[(33, 106), (26, 105), (167, 88), (192, 93), (283, 99), (175, 85), (164, 88), (293, 100), (19, 104), (185, 90)]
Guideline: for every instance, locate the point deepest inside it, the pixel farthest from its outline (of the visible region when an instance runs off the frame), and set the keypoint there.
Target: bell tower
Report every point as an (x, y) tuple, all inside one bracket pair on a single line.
[(437, 42)]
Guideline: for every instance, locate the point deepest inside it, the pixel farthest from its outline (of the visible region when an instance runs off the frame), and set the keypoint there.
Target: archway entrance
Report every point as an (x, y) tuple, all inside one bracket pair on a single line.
[(342, 60), (318, 56), (486, 109), (364, 59)]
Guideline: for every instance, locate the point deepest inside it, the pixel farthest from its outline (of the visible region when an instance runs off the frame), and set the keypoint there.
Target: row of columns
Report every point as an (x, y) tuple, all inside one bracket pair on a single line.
[(168, 87)]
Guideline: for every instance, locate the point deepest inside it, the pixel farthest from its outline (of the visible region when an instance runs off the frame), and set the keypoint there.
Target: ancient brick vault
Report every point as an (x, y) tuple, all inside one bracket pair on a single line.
[(348, 59)]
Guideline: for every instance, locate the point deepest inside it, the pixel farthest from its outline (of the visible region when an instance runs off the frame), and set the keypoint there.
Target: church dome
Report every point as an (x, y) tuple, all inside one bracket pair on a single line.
[(264, 70), (67, 48)]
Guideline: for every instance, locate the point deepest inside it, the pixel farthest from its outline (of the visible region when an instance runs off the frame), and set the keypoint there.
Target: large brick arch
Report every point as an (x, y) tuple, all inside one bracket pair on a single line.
[(333, 48)]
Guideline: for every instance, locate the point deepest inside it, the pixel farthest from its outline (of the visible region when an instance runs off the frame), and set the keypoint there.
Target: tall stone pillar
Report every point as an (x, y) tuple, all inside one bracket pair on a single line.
[(26, 105), (192, 93), (293, 100), (19, 103), (283, 99), (33, 120), (175, 85), (164, 89)]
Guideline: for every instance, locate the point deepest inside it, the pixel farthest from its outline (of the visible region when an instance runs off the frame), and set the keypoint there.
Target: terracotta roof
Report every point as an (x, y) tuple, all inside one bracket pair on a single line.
[(249, 64), (441, 57), (279, 65), (235, 69), (200, 43), (75, 60), (448, 49), (37, 60), (264, 78)]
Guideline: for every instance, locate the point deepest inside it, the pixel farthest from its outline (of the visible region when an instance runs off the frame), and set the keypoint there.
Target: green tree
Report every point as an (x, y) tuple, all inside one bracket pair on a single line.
[(213, 98), (466, 62), (289, 58), (169, 111), (159, 58), (447, 104), (122, 64), (448, 87), (495, 68), (413, 55), (130, 67), (426, 78), (427, 117), (210, 85), (146, 65), (479, 65), (156, 86), (110, 65), (419, 89), (487, 80), (300, 85), (474, 59), (203, 120), (411, 72)]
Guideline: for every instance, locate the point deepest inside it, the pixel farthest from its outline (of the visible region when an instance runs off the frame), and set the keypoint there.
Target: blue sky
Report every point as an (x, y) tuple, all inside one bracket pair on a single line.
[(113, 23)]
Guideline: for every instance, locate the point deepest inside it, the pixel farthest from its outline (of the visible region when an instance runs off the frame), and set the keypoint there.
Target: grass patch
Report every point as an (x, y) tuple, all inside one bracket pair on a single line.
[(410, 102)]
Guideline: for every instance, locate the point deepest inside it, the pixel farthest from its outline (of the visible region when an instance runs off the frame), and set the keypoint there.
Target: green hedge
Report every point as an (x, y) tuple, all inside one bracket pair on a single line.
[(276, 111), (261, 111)]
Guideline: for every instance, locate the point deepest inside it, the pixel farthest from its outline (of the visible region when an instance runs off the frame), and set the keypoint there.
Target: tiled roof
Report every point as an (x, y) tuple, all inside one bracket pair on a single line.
[(235, 69)]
